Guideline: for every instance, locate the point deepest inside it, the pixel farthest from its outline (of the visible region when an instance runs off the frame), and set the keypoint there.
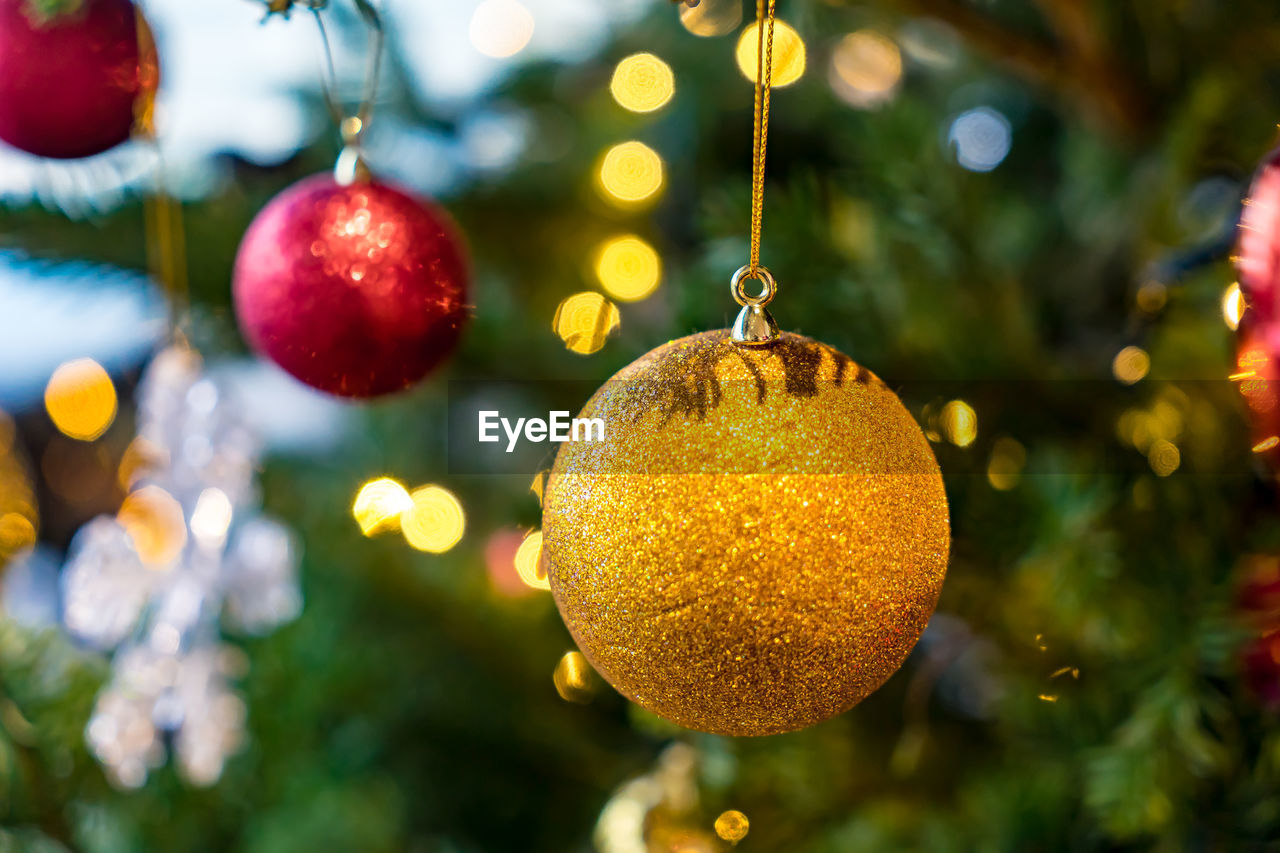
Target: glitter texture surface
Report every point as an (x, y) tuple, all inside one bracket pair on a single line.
[(760, 541), (357, 290)]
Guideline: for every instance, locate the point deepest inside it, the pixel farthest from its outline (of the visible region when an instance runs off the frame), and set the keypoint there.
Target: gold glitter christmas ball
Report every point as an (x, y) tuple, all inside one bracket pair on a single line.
[(758, 541)]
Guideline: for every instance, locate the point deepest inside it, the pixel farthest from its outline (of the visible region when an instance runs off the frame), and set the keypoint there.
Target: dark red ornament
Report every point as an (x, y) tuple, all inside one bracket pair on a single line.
[(1257, 377), (357, 290), (69, 84), (1259, 605), (1258, 254)]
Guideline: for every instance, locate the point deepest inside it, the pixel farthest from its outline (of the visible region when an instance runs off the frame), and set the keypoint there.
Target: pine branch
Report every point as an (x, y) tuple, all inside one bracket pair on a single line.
[(1110, 97)]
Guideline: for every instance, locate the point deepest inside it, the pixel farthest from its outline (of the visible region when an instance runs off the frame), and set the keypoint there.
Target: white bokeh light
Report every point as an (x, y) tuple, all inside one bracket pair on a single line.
[(981, 138)]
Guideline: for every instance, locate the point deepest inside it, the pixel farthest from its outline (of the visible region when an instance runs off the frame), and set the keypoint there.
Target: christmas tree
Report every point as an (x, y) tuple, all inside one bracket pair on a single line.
[(1020, 216)]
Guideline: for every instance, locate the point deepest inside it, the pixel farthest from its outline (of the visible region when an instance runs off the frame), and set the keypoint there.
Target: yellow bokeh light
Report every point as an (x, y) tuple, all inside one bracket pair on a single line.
[(628, 268), (529, 562), (1233, 306), (630, 173), (435, 522), (1152, 296), (501, 28), (156, 524), (1164, 457), (959, 423), (584, 320), (379, 505), (642, 83), (574, 678), (17, 533), (1131, 364), (711, 17), (1266, 444), (81, 399), (788, 54), (866, 68), (1008, 458), (732, 826)]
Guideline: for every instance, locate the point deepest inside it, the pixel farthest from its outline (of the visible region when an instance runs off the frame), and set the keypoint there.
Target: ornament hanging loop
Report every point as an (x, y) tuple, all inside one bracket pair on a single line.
[(755, 326), (738, 286)]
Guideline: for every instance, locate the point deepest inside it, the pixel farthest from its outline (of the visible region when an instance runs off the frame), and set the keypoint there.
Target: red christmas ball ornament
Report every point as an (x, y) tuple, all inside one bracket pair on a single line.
[(69, 82), (1258, 253), (1258, 379), (1259, 605), (357, 289)]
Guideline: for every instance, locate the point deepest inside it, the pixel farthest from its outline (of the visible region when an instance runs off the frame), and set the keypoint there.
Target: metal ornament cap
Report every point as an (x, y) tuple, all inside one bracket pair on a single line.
[(755, 327)]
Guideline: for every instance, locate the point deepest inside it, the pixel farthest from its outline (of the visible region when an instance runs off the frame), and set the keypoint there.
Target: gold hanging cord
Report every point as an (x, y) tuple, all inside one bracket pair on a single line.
[(755, 326), (760, 133)]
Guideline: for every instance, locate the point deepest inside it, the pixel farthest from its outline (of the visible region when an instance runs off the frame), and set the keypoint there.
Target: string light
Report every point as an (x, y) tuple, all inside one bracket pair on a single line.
[(501, 28), (1131, 364), (628, 268), (529, 562), (435, 522), (1164, 457), (630, 173), (81, 399), (959, 423), (866, 68), (711, 17), (642, 83), (584, 321), (156, 525), (732, 826), (1004, 470), (574, 679), (379, 505), (789, 55), (1233, 306)]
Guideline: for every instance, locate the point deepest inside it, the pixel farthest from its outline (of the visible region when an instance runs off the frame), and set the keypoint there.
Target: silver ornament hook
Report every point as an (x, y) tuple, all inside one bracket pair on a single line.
[(755, 326)]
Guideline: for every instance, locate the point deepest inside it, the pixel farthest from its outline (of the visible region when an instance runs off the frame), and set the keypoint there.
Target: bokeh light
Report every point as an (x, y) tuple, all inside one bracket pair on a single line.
[(435, 522), (866, 68), (379, 505), (584, 320), (528, 562), (1008, 458), (732, 826), (156, 525), (642, 83), (630, 173), (982, 138), (1152, 296), (574, 679), (18, 515), (959, 423), (1130, 365), (711, 17), (501, 28), (1164, 457), (788, 54), (1233, 306), (81, 399), (211, 519), (500, 563), (628, 268)]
